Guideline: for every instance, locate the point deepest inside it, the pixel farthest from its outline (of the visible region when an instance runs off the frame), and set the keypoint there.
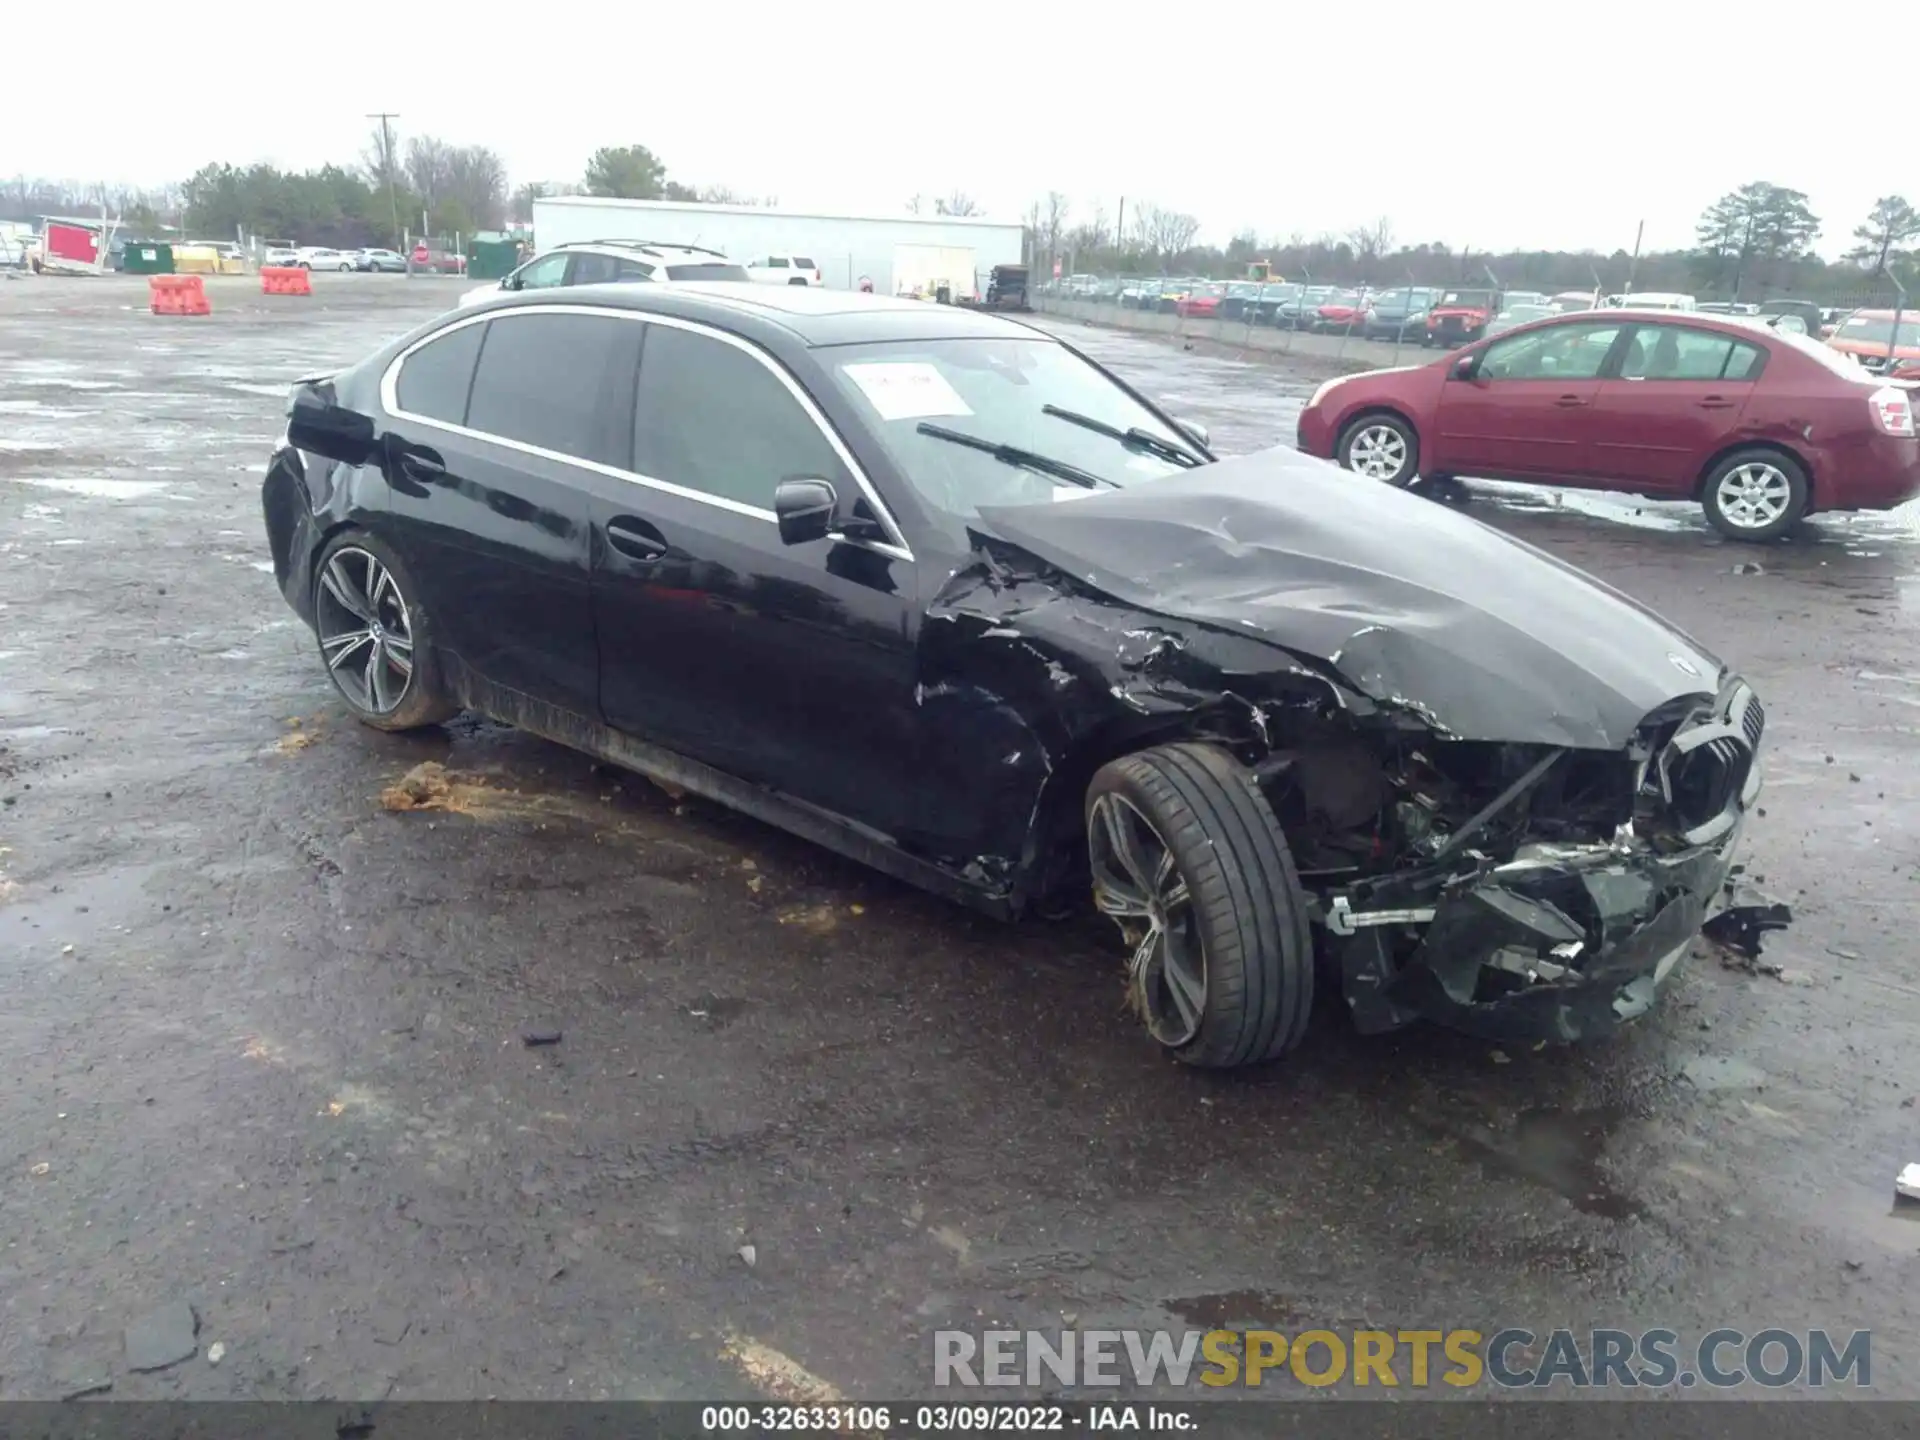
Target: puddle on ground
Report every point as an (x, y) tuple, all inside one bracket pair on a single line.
[(1561, 1150), (1237, 1310), (93, 488)]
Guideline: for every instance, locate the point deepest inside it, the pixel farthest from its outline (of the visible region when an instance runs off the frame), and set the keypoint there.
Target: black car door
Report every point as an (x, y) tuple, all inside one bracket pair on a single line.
[(786, 666), (498, 425)]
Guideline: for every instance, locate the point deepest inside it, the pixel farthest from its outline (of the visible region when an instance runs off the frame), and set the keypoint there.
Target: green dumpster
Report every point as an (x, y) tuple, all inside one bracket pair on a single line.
[(492, 256), (143, 257)]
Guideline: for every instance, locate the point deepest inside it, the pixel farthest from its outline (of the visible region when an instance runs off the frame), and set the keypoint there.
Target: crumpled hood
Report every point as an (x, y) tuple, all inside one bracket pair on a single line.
[(1410, 601)]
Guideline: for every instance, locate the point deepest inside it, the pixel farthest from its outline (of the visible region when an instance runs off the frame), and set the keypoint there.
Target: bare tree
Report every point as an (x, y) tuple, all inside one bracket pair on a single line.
[(1051, 223), (476, 181), (426, 167), (958, 203), (915, 204), (1370, 243)]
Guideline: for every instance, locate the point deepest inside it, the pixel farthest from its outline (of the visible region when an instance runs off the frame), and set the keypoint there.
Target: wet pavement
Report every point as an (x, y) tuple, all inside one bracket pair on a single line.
[(261, 1039)]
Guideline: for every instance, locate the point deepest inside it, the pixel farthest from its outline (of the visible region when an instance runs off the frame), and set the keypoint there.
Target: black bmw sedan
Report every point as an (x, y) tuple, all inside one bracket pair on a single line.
[(931, 588)]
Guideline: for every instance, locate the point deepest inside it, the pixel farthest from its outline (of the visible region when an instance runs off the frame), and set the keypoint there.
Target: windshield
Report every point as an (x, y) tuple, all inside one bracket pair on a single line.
[(1875, 330), (994, 390), (717, 270)]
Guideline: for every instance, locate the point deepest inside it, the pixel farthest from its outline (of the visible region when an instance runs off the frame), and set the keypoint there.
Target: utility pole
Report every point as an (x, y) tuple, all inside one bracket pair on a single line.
[(1633, 265), (386, 119), (1120, 227)]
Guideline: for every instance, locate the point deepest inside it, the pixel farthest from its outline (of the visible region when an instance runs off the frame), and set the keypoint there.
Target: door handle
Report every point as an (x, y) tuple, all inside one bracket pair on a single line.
[(636, 539), (1568, 402), (422, 464), (1716, 402)]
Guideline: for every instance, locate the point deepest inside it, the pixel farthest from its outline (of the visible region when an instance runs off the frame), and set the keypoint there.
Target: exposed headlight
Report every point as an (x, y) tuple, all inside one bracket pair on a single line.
[(1324, 390)]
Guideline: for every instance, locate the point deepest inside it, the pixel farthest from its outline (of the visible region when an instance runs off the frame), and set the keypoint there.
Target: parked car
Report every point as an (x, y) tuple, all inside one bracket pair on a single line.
[(322, 257), (1866, 336), (437, 262), (387, 262), (1656, 300), (1237, 297), (800, 554), (1515, 299), (1459, 317), (1758, 425), (1300, 312), (1568, 301), (1516, 315), (1201, 302), (1342, 310), (1265, 308), (1398, 314), (784, 270), (611, 262)]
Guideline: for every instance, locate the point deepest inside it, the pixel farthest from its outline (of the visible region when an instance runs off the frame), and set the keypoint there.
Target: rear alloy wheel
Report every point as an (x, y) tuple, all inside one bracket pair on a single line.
[(1188, 860), (1383, 448), (375, 637), (1755, 495)]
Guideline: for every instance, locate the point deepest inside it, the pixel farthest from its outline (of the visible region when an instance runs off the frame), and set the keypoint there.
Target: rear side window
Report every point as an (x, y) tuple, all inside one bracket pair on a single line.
[(633, 270), (555, 381), (776, 262), (435, 379), (801, 262), (1670, 352), (712, 418)]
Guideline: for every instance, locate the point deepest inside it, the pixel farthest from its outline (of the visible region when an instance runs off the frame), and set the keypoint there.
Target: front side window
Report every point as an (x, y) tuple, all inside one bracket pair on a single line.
[(776, 262), (542, 274), (1559, 352), (996, 391), (545, 380), (434, 380), (1673, 352), (710, 417)]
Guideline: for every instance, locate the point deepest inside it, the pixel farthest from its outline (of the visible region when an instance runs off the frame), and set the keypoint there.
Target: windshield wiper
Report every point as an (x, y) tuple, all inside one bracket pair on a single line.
[(1014, 455), (1134, 439)]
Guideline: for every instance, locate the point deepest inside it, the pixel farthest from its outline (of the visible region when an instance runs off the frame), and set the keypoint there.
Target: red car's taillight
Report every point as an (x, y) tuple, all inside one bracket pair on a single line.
[(1892, 410)]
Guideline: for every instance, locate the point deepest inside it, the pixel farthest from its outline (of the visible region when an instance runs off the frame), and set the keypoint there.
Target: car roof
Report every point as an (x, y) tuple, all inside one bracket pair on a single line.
[(644, 247), (813, 315)]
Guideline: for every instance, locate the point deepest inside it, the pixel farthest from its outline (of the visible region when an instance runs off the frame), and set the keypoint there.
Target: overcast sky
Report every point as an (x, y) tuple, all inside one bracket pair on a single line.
[(1488, 125)]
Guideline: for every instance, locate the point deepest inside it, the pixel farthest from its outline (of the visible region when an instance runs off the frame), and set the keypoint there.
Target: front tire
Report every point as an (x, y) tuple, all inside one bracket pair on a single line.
[(1755, 495), (376, 637), (1383, 448), (1188, 860)]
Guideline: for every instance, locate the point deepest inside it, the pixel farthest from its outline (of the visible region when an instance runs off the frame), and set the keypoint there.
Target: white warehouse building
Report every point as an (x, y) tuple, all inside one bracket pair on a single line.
[(898, 253)]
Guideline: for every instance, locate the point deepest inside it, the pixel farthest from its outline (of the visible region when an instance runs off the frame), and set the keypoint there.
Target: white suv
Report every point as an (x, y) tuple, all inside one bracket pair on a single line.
[(785, 270), (604, 262)]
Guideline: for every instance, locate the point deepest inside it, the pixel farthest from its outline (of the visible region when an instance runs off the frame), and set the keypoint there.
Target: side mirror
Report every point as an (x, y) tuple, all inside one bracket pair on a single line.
[(320, 427), (804, 508), (1466, 367)]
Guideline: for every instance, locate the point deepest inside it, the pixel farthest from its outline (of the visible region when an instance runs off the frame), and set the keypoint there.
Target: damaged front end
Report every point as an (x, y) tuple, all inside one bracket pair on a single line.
[(1525, 893)]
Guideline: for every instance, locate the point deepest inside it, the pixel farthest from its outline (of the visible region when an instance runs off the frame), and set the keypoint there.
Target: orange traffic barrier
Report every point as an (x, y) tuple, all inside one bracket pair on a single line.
[(178, 295), (285, 280)]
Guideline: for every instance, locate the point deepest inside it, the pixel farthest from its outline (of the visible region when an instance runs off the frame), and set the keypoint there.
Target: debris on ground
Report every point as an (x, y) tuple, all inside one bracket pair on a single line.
[(1749, 567), (216, 1352), (98, 1387), (163, 1338), (814, 919), (1747, 915), (1907, 1183), (424, 787), (748, 1255), (295, 741), (531, 1038), (43, 1168)]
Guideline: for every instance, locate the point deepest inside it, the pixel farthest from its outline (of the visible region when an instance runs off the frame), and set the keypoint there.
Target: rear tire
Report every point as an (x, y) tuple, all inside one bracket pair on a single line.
[(1755, 495), (1222, 964), (1381, 447)]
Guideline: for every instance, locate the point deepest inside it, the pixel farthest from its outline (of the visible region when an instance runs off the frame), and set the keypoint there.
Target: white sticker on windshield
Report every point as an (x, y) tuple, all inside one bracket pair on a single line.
[(906, 390)]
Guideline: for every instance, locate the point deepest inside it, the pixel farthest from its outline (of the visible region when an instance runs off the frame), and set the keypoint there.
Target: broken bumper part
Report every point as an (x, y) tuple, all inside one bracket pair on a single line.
[(1562, 943)]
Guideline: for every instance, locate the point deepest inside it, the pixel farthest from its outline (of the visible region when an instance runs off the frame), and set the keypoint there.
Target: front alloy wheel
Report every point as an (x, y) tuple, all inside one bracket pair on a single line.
[(1379, 447), (1187, 859), (366, 630), (1137, 882), (375, 636)]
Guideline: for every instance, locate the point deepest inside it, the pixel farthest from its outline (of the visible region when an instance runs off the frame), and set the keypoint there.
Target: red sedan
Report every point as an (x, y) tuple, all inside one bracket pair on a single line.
[(1759, 426), (1202, 303)]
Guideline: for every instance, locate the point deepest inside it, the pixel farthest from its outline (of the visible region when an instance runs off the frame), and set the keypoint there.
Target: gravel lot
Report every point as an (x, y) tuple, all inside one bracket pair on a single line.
[(260, 1038)]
